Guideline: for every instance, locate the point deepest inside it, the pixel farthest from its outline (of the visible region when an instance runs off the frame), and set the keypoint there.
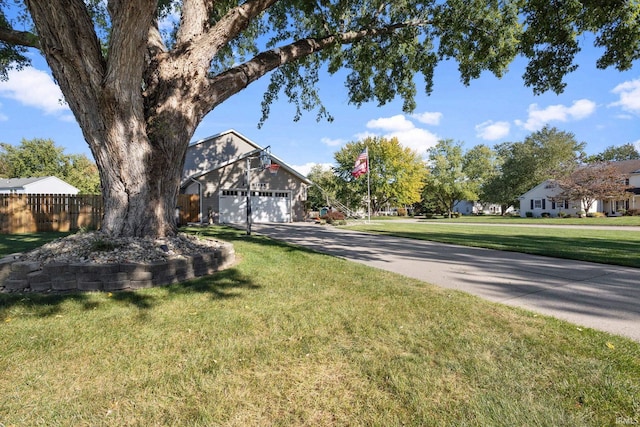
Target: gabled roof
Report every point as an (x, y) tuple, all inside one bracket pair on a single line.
[(257, 149), (19, 182), (22, 183), (626, 167)]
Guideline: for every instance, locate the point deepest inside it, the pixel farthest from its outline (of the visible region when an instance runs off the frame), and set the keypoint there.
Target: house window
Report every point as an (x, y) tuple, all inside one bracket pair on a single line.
[(537, 204)]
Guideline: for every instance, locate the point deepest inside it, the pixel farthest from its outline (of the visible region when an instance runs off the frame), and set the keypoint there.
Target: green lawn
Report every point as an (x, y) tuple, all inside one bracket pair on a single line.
[(516, 220), (608, 246), (14, 243), (291, 337)]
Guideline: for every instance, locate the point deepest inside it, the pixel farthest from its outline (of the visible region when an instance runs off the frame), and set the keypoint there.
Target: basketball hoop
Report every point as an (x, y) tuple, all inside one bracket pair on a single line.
[(273, 168)]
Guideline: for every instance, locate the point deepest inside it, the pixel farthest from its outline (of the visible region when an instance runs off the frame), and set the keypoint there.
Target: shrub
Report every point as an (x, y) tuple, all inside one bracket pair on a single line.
[(333, 216), (564, 215), (596, 215), (545, 215), (402, 212), (633, 212), (529, 214)]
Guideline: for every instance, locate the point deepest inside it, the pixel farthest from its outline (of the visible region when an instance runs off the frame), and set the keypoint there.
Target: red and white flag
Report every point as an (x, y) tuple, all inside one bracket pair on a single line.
[(362, 164)]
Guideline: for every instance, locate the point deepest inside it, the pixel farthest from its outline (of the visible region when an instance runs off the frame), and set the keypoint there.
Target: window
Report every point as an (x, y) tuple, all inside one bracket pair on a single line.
[(537, 204)]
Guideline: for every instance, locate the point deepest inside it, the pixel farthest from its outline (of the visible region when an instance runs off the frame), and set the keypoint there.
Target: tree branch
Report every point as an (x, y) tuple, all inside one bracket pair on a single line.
[(232, 81), (225, 30), (21, 38), (131, 23)]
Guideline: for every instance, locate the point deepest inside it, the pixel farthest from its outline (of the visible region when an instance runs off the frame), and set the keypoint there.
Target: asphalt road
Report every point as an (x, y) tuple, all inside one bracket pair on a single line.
[(592, 295)]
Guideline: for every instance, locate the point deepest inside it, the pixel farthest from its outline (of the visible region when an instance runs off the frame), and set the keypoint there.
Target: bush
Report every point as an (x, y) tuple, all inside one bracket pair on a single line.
[(596, 215), (564, 215), (633, 212), (332, 217), (545, 215), (402, 212), (529, 214)]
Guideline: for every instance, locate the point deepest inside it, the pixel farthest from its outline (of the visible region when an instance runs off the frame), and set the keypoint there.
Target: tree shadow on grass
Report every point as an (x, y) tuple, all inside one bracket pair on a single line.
[(223, 284)]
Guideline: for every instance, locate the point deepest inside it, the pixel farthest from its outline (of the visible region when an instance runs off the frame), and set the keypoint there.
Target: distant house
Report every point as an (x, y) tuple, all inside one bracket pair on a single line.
[(216, 169), (469, 207), (41, 185), (542, 199)]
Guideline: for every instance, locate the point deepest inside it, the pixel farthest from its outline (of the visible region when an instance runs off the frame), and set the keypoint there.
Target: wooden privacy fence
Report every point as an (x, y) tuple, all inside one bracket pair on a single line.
[(30, 213), (189, 208)]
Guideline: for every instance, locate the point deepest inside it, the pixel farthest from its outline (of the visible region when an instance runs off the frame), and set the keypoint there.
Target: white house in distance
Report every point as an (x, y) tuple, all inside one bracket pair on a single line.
[(216, 169), (41, 185), (542, 198)]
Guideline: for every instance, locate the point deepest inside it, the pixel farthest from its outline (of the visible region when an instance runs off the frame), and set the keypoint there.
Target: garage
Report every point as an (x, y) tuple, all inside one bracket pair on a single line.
[(266, 206)]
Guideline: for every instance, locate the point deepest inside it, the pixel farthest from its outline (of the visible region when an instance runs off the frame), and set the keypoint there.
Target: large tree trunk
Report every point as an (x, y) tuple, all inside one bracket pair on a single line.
[(140, 176)]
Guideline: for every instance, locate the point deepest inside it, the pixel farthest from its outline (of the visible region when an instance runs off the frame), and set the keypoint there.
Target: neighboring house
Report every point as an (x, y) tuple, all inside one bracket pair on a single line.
[(216, 169), (41, 185), (469, 207), (543, 197)]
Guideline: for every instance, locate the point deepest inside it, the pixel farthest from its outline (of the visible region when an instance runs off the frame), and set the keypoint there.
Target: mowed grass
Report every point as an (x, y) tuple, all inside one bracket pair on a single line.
[(291, 337), (16, 243), (607, 246)]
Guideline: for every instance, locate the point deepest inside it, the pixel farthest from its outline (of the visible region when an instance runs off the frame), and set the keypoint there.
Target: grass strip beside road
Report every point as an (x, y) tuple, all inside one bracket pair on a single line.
[(610, 246), (292, 337)]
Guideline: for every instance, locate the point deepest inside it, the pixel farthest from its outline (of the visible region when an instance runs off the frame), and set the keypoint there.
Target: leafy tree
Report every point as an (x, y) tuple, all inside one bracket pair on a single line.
[(396, 174), (615, 154), (83, 174), (34, 158), (545, 154), (41, 157), (447, 182), (597, 181), (139, 91), (479, 164), (324, 191)]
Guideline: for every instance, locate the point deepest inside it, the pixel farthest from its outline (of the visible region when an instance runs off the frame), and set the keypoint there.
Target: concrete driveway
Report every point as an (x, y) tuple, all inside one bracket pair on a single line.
[(593, 295)]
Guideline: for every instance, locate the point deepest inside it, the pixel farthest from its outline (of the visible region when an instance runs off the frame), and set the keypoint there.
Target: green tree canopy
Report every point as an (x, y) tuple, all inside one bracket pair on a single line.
[(545, 154), (41, 157), (324, 190), (615, 154), (140, 75), (453, 175), (396, 174)]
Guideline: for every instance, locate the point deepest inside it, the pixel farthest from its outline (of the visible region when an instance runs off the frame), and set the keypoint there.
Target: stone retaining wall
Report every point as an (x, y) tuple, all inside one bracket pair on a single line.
[(26, 276)]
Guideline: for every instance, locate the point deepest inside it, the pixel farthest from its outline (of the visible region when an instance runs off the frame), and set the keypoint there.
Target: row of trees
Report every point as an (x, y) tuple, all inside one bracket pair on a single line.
[(498, 175), (41, 157)]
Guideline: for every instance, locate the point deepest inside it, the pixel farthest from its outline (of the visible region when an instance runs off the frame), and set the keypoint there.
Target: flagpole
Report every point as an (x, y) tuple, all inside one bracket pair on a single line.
[(368, 185)]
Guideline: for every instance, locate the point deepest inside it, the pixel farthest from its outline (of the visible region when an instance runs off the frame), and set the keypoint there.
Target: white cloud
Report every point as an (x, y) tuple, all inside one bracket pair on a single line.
[(637, 144), (34, 88), (306, 168), (408, 134), (557, 113), (332, 142), (429, 118), (491, 130), (629, 93), (395, 123)]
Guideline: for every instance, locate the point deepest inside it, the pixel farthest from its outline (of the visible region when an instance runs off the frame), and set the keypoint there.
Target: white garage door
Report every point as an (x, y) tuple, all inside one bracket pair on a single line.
[(266, 206)]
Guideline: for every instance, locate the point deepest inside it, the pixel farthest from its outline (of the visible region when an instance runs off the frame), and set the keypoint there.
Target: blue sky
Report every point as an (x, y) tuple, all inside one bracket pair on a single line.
[(601, 107)]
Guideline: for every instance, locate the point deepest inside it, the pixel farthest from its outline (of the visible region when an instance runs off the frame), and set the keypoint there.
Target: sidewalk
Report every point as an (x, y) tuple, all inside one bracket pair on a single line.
[(592, 295)]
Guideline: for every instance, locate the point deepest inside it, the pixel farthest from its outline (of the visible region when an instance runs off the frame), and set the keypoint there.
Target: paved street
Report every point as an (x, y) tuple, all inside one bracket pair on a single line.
[(592, 295)]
